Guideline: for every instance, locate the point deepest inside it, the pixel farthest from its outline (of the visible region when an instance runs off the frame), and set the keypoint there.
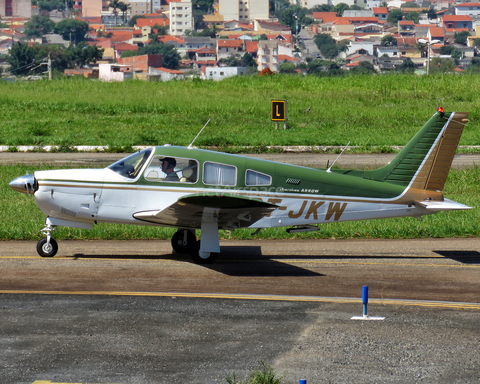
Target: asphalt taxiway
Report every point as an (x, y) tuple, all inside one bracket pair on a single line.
[(133, 312)]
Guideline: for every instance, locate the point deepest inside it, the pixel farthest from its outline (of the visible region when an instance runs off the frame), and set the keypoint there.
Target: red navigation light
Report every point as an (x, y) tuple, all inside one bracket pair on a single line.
[(440, 109)]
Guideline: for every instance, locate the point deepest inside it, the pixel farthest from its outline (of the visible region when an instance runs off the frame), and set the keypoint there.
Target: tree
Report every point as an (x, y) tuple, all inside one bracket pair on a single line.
[(340, 8), (394, 16), (476, 42), (461, 37), (38, 26), (115, 4), (414, 16), (363, 68), (170, 56), (287, 67), (329, 51), (21, 58), (438, 65), (133, 20), (83, 54), (231, 61), (388, 41), (249, 60), (407, 66), (124, 7), (72, 29)]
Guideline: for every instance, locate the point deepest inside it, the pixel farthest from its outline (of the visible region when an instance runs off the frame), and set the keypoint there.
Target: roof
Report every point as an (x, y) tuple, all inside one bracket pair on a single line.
[(467, 5), (406, 22), (120, 36), (171, 39), (456, 18), (229, 43), (152, 21), (126, 47), (171, 71), (325, 16), (436, 32), (251, 46), (282, 58), (380, 10)]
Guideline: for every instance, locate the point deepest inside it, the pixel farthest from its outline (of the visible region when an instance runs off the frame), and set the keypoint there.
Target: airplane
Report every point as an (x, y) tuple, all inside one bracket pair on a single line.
[(189, 189)]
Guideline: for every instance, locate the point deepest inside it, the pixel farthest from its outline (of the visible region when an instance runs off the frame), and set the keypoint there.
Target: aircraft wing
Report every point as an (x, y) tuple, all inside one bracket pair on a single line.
[(229, 211)]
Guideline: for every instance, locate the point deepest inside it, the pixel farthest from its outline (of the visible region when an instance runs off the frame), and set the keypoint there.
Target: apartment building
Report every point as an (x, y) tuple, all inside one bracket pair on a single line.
[(242, 10), (19, 8), (94, 8), (143, 7), (267, 55), (181, 17)]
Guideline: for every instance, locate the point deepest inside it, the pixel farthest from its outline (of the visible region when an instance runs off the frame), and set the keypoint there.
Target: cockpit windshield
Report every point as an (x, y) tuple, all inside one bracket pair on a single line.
[(131, 165)]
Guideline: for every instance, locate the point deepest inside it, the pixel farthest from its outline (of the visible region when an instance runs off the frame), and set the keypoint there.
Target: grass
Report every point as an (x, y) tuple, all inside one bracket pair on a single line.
[(262, 375), (22, 219), (370, 111)]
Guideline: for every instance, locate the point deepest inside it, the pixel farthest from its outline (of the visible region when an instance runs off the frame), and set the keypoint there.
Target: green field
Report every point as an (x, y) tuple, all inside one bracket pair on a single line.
[(370, 111), (373, 112)]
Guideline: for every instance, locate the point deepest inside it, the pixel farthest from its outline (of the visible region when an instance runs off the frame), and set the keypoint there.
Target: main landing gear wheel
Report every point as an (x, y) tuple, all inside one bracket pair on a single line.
[(183, 240), (47, 250), (200, 257)]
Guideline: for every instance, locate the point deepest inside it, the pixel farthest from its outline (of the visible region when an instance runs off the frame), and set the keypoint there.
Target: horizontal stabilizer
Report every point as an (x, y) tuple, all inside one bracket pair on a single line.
[(446, 205)]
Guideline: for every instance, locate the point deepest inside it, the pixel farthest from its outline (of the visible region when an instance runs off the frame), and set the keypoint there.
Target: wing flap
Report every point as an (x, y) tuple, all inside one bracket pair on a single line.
[(229, 211)]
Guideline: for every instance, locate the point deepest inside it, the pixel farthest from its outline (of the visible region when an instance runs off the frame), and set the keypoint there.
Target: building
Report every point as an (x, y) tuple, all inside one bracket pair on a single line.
[(181, 17), (267, 55), (94, 8), (220, 73), (19, 8), (144, 7), (470, 9), (242, 10)]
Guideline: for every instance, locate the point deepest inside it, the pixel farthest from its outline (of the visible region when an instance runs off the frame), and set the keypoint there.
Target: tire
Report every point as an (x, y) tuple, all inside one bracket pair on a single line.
[(207, 258), (45, 250), (178, 244)]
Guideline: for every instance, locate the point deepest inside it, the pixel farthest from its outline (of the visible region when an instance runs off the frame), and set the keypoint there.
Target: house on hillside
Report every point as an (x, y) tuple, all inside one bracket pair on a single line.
[(226, 48)]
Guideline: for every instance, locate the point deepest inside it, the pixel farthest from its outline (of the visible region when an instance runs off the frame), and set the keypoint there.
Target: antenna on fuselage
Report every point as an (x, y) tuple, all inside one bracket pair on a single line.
[(341, 153), (190, 146)]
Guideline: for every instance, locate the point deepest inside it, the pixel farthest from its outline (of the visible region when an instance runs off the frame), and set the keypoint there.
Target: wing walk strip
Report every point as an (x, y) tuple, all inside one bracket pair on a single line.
[(313, 299)]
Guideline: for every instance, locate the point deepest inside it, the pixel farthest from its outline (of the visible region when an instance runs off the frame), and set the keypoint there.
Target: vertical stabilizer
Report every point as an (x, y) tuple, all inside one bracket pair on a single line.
[(425, 161)]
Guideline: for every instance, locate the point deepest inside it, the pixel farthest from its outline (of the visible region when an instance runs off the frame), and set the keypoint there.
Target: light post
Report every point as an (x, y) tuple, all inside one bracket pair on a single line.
[(429, 46)]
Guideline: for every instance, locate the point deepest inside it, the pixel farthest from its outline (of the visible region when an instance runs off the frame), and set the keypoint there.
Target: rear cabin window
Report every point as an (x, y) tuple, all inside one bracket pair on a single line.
[(172, 169), (253, 178), (219, 174)]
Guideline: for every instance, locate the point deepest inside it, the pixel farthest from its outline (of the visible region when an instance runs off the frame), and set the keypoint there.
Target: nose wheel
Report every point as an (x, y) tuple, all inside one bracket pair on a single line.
[(47, 248)]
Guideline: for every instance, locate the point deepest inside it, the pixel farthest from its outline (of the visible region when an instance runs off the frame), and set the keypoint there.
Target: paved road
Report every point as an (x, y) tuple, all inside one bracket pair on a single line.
[(315, 160)]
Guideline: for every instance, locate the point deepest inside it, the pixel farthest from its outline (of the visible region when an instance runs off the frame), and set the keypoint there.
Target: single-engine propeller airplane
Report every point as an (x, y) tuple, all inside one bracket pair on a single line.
[(189, 188)]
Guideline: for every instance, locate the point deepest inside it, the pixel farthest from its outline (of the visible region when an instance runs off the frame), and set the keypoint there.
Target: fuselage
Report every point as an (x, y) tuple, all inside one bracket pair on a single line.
[(303, 196)]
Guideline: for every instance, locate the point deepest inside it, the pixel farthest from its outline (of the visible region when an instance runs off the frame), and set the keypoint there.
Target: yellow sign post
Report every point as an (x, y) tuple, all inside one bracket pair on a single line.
[(279, 112)]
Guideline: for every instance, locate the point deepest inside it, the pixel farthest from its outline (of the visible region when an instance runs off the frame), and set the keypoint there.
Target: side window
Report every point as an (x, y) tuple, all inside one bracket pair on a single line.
[(172, 169), (219, 174), (253, 178)]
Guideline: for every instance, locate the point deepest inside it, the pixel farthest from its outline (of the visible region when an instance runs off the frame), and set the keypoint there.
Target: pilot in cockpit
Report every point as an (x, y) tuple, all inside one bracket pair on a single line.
[(168, 167)]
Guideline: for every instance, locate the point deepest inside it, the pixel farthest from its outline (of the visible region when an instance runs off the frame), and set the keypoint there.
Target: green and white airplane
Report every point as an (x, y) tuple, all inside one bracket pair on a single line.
[(189, 189)]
